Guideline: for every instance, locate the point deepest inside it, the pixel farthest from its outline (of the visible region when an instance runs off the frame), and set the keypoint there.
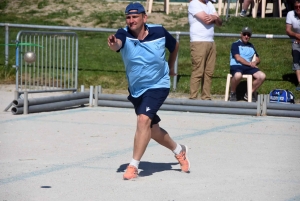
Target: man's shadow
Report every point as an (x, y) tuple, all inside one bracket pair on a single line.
[(290, 77), (149, 168)]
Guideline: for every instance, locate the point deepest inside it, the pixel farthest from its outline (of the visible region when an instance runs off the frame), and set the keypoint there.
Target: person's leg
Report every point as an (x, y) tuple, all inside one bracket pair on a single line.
[(296, 61), (259, 78), (209, 70), (235, 80), (298, 75), (142, 136), (141, 140), (163, 138), (245, 7), (198, 64), (298, 78)]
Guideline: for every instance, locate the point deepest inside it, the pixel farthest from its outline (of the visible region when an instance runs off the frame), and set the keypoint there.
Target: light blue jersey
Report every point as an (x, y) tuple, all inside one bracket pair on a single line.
[(144, 60), (246, 51)]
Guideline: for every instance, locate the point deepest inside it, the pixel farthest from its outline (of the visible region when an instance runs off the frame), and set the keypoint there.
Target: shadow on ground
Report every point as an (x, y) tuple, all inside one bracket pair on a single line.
[(290, 77), (149, 168)]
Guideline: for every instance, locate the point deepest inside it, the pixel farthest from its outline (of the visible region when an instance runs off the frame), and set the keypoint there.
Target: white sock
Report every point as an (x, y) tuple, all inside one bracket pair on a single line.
[(135, 163), (178, 149)]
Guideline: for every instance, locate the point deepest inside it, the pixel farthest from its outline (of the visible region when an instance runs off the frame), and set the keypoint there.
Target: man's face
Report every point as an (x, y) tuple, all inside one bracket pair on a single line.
[(297, 7), (245, 37), (136, 21)]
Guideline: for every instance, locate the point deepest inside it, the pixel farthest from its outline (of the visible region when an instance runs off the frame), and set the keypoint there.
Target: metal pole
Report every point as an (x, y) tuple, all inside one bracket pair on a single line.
[(91, 96), (185, 108), (9, 105), (51, 99), (100, 89), (17, 68), (82, 88), (281, 106), (175, 101), (283, 113), (96, 96), (265, 96), (25, 102), (68, 28), (51, 106), (263, 109), (16, 96), (258, 112), (228, 7), (6, 42)]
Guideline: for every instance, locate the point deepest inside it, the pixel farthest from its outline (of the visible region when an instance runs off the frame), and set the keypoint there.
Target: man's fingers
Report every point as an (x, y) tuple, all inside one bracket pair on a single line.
[(112, 39)]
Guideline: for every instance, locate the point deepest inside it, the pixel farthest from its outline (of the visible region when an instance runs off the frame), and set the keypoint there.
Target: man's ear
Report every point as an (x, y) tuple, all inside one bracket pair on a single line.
[(145, 17)]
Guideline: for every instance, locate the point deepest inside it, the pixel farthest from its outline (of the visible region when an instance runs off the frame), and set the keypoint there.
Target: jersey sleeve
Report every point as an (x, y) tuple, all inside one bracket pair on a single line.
[(121, 34), (234, 49), (170, 41)]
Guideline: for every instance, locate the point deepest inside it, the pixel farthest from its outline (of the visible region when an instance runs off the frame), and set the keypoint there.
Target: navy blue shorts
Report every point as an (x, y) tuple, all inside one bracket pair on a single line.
[(149, 103), (243, 69)]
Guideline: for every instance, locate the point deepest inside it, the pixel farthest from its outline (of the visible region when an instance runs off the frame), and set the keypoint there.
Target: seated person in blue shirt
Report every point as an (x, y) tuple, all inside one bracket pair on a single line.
[(241, 62)]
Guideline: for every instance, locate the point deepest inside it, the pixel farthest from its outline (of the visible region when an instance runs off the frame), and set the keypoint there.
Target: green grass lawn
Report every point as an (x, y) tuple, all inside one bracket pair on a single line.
[(100, 66)]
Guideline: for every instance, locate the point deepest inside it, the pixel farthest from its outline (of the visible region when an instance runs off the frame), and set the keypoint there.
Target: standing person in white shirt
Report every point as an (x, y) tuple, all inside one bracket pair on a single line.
[(293, 31), (202, 19)]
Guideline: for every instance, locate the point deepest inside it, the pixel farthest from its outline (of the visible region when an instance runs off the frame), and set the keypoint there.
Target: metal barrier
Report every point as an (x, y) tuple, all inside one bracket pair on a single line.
[(56, 65), (69, 28), (261, 108)]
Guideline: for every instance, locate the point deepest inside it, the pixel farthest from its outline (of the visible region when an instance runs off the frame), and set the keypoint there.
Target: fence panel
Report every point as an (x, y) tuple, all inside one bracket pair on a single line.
[(56, 65)]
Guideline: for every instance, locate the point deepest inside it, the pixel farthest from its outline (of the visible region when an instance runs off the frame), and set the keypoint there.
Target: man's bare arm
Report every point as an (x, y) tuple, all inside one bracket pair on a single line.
[(114, 43)]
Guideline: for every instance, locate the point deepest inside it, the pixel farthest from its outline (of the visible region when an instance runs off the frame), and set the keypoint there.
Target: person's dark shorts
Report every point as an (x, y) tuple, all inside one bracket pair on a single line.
[(149, 103), (243, 69)]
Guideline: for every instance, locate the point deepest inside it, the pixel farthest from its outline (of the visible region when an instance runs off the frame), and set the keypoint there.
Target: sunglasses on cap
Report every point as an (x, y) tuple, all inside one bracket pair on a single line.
[(247, 34)]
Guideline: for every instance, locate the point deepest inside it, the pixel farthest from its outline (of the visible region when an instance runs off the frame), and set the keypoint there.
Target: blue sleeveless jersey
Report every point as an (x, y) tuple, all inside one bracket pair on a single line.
[(144, 60)]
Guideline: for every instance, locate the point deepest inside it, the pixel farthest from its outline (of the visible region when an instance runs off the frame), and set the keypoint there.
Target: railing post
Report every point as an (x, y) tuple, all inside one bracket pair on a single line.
[(91, 96), (6, 44), (25, 106), (96, 96)]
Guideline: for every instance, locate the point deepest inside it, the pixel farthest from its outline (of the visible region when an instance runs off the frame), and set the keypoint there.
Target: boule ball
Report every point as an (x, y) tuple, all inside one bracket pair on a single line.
[(29, 57)]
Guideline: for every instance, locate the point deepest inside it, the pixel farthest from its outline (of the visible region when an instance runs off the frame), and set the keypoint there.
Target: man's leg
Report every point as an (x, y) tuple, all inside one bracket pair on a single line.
[(142, 136), (245, 7), (259, 78), (141, 140), (235, 80), (298, 78), (298, 75), (163, 138), (296, 61), (197, 68), (209, 70)]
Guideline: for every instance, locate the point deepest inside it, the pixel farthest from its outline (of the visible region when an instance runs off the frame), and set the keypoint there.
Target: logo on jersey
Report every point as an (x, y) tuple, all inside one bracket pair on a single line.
[(147, 109)]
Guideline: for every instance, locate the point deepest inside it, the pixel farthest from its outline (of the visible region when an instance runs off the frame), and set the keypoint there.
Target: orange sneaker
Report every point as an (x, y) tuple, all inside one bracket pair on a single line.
[(183, 160), (130, 173)]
